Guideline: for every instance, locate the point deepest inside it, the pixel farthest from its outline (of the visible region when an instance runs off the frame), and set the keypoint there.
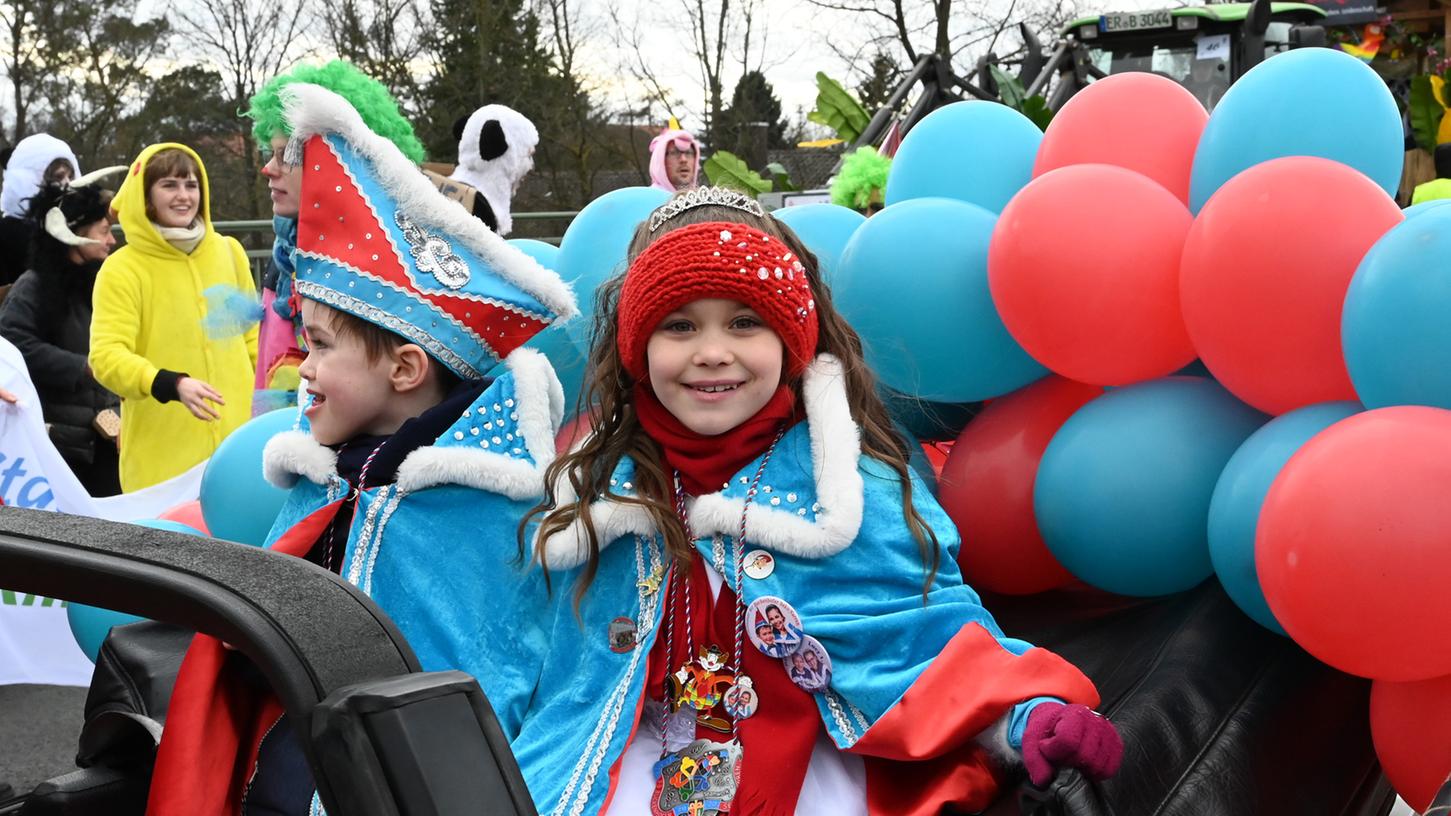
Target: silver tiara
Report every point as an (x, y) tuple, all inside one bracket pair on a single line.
[(705, 196)]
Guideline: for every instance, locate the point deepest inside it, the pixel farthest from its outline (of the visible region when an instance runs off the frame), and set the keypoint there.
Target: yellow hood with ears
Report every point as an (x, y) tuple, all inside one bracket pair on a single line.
[(130, 203)]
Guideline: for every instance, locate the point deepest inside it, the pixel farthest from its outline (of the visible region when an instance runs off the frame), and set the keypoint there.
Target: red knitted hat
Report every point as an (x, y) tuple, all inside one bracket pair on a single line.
[(717, 259)]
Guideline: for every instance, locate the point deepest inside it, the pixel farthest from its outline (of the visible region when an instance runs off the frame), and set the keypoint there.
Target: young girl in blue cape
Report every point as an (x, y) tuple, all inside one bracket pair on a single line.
[(736, 416)]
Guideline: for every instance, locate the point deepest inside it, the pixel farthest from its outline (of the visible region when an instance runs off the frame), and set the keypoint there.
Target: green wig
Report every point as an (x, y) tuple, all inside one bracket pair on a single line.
[(371, 99), (863, 172)]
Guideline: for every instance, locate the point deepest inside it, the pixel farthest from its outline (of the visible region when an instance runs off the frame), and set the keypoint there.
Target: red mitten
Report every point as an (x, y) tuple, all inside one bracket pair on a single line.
[(1070, 736)]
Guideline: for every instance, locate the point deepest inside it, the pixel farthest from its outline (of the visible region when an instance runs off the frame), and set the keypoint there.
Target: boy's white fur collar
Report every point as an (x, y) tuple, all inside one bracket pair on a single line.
[(835, 454), (540, 401)]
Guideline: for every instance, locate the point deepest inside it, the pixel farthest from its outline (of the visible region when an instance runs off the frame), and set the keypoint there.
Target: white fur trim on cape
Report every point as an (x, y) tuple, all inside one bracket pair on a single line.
[(539, 400), (994, 740), (312, 110), (495, 179), (291, 454), (835, 455)]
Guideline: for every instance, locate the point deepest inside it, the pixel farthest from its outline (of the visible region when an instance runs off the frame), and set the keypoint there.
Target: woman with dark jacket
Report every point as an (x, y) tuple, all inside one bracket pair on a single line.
[(47, 315)]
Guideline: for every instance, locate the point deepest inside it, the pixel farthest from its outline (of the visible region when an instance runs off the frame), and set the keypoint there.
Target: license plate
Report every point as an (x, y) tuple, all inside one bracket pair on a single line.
[(1135, 20)]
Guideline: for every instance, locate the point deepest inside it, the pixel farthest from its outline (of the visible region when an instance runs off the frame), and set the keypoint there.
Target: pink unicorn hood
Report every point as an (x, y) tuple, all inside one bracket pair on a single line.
[(658, 145)]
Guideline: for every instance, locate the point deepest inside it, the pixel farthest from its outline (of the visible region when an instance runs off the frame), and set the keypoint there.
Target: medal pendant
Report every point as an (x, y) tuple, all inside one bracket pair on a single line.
[(741, 700), (701, 683), (699, 780)]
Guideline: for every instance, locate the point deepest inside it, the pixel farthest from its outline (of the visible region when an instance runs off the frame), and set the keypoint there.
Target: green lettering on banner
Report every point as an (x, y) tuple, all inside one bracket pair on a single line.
[(8, 597)]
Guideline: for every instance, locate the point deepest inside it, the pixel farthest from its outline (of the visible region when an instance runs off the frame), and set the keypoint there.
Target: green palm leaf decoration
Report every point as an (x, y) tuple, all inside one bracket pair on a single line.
[(1425, 112), (726, 169), (838, 109)]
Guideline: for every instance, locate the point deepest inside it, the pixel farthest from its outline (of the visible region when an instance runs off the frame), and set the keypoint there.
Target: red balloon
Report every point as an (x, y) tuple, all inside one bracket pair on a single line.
[(1264, 276), (1410, 724), (1084, 271), (1143, 122), (936, 454), (987, 487), (1353, 547), (188, 513)]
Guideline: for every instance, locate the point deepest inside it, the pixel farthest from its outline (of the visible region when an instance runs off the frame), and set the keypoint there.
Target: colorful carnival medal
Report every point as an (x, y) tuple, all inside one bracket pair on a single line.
[(701, 778), (700, 685)]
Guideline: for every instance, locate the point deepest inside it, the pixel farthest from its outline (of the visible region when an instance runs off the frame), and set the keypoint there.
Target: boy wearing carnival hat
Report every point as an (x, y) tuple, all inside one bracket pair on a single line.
[(408, 469)]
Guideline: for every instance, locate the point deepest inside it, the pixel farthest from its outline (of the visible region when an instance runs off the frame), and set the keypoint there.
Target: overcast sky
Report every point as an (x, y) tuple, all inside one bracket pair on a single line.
[(799, 40), (790, 50)]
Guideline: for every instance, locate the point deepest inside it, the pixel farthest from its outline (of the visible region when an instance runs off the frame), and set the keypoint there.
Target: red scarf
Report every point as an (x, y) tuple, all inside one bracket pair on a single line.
[(705, 463)]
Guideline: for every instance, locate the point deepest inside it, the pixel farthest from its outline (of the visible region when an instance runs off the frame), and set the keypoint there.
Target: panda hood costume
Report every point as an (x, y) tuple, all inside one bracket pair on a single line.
[(495, 151)]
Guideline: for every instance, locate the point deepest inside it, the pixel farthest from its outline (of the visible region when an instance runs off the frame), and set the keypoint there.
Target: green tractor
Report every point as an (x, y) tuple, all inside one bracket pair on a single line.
[(1204, 48)]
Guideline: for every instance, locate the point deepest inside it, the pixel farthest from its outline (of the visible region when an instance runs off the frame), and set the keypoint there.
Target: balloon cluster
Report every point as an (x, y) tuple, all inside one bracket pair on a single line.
[(1069, 277)]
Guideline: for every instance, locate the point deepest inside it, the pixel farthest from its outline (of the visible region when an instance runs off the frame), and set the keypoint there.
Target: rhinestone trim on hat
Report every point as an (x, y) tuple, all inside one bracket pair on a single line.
[(433, 254), (367, 311)]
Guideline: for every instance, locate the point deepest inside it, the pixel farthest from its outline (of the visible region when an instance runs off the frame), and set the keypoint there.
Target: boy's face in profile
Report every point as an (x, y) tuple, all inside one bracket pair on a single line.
[(350, 392)]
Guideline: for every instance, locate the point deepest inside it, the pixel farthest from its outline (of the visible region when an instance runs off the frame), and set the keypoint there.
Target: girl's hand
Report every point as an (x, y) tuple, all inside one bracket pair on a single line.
[(1070, 736), (6, 396), (195, 395)]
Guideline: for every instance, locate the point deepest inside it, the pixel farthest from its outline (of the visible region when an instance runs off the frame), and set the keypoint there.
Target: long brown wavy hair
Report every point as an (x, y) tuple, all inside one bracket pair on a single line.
[(616, 431)]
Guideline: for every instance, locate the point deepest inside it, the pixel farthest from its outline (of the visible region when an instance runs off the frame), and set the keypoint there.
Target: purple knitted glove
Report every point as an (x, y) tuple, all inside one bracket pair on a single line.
[(1070, 736)]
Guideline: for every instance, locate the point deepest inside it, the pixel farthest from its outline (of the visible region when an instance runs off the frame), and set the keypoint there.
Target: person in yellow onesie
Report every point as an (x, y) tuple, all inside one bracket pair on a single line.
[(173, 331)]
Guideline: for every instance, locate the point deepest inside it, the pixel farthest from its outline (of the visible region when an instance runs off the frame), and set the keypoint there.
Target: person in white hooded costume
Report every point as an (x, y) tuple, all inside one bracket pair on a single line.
[(37, 160), (495, 152)]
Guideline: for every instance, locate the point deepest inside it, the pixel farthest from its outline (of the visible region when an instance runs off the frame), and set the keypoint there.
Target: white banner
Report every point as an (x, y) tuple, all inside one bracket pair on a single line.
[(36, 645)]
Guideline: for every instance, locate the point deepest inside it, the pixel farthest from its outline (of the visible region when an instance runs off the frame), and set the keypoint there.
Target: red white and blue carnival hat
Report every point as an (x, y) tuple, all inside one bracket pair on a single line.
[(377, 240)]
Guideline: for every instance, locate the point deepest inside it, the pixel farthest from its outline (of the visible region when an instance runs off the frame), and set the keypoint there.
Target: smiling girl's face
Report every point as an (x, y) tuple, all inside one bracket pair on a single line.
[(714, 364)]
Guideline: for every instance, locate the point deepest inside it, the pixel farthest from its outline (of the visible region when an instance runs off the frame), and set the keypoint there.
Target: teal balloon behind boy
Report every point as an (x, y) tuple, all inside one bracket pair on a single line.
[(594, 247), (1123, 489), (1395, 328), (1234, 510), (90, 624), (913, 283), (1307, 102), (238, 503), (554, 342), (978, 152)]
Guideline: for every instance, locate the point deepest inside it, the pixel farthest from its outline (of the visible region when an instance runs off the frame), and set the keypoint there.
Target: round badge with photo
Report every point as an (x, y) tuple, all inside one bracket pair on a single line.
[(622, 635), (773, 626), (759, 564), (810, 667)]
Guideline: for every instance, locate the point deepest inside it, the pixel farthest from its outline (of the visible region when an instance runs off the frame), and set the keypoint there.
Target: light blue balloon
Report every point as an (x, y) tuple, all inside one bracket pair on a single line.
[(825, 229), (1234, 511), (594, 247), (913, 283), (1395, 328), (1416, 210), (1307, 102), (978, 152), (238, 502), (564, 356), (545, 253), (554, 342), (1122, 493), (90, 624)]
